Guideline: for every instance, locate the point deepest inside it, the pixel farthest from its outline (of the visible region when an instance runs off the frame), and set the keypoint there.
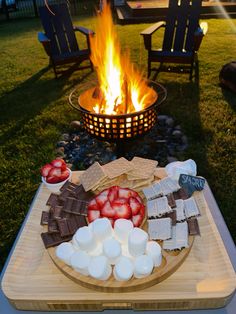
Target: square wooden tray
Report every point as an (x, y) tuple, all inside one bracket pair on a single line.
[(206, 279)]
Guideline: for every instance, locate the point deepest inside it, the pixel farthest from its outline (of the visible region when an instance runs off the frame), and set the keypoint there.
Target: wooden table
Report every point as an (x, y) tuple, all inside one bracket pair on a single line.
[(5, 307)]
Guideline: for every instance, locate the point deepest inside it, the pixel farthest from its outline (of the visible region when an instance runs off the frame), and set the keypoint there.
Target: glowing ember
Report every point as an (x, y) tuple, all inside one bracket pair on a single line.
[(122, 87)]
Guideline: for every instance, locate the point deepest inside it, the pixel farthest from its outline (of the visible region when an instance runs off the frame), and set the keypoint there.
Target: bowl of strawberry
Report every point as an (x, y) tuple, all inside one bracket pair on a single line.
[(55, 174), (117, 202)]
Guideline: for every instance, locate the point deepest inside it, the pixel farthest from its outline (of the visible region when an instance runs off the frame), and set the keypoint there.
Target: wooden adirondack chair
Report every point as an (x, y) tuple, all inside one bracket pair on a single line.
[(59, 40), (182, 36)]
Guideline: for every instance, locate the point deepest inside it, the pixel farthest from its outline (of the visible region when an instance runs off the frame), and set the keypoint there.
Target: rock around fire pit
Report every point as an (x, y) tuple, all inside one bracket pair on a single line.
[(165, 142)]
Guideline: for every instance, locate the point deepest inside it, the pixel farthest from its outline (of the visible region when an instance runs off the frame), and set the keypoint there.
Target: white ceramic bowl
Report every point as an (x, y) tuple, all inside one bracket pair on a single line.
[(55, 187)]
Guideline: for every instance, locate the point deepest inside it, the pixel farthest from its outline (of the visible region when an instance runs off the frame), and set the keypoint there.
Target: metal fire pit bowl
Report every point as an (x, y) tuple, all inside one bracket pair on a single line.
[(117, 128)]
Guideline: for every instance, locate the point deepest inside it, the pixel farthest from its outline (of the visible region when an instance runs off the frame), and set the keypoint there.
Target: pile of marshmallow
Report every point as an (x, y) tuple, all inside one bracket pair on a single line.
[(98, 250)]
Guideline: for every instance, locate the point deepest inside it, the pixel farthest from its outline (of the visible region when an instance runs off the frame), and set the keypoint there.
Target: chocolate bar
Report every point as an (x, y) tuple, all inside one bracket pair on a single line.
[(68, 186), (55, 212), (53, 200), (64, 194), (171, 200), (172, 216), (75, 206), (193, 226), (52, 226), (181, 194), (68, 226), (44, 218), (53, 239), (80, 193)]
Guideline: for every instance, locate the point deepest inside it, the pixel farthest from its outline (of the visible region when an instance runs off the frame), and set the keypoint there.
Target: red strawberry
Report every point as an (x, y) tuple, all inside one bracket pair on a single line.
[(107, 210), (142, 210), (102, 198), (122, 210), (134, 205), (139, 199), (54, 172), (113, 193), (45, 170), (58, 163), (64, 175), (93, 205), (93, 214), (125, 193), (63, 167), (52, 179), (137, 220)]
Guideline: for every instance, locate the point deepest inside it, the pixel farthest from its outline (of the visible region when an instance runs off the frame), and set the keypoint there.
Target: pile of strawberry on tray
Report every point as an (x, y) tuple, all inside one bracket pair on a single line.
[(117, 202)]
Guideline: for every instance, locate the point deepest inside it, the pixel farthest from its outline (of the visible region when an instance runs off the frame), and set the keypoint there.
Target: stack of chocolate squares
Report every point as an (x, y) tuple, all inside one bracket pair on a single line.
[(171, 214), (67, 213)]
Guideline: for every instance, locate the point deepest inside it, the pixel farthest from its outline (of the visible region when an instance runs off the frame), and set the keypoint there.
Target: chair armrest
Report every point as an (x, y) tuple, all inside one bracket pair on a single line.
[(199, 34), (83, 30), (147, 34), (45, 41), (151, 29)]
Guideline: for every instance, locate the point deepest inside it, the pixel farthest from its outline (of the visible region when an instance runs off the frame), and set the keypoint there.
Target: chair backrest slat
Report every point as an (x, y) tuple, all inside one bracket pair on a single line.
[(170, 25), (181, 22), (58, 28), (193, 24)]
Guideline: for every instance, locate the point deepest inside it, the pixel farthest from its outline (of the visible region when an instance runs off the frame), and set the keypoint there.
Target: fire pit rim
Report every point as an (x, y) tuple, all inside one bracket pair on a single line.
[(159, 101)]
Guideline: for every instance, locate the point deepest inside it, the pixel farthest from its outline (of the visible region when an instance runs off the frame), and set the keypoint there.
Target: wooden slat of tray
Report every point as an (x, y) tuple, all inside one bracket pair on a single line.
[(32, 282)]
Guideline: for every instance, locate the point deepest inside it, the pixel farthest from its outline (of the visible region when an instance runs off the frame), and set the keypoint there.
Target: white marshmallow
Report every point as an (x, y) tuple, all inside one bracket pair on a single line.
[(75, 243), (80, 261), (143, 266), (98, 250), (64, 252), (112, 250), (85, 239), (99, 268), (125, 252), (137, 242), (123, 269), (122, 229), (154, 251), (102, 229)]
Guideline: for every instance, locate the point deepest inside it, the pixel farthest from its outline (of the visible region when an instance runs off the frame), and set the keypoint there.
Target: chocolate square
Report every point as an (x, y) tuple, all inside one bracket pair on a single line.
[(52, 226), (63, 227), (44, 218), (56, 212), (193, 226), (53, 200), (53, 239), (181, 194), (171, 200)]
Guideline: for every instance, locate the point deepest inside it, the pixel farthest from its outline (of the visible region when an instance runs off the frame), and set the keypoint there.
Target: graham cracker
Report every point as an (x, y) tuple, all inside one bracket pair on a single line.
[(143, 168), (117, 167), (92, 176)]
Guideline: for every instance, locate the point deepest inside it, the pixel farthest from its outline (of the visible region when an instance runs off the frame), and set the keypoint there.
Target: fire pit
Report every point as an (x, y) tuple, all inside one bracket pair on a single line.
[(121, 127), (123, 104)]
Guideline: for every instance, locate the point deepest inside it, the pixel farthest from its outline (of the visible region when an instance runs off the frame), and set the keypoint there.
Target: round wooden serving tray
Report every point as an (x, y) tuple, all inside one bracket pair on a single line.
[(170, 263)]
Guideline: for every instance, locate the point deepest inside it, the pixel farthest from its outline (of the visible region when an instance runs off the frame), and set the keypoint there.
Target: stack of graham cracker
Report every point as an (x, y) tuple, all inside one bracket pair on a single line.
[(134, 174)]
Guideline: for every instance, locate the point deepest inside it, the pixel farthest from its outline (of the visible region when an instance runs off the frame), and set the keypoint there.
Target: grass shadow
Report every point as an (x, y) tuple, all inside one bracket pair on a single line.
[(230, 97)]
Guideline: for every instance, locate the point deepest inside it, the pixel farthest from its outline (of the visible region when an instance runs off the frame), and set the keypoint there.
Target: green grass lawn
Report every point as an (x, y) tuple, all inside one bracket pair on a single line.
[(34, 112)]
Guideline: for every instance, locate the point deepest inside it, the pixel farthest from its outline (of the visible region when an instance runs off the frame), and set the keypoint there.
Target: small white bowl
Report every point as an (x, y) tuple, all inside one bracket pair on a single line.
[(55, 187)]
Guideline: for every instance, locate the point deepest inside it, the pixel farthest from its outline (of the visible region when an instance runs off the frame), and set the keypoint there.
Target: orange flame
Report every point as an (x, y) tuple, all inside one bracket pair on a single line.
[(122, 86)]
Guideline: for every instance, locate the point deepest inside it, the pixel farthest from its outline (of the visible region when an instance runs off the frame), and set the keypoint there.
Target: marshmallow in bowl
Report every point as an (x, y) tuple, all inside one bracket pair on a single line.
[(85, 239), (99, 268), (154, 251), (64, 252), (143, 266), (101, 228), (137, 242), (112, 250), (122, 229), (80, 261), (123, 269)]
